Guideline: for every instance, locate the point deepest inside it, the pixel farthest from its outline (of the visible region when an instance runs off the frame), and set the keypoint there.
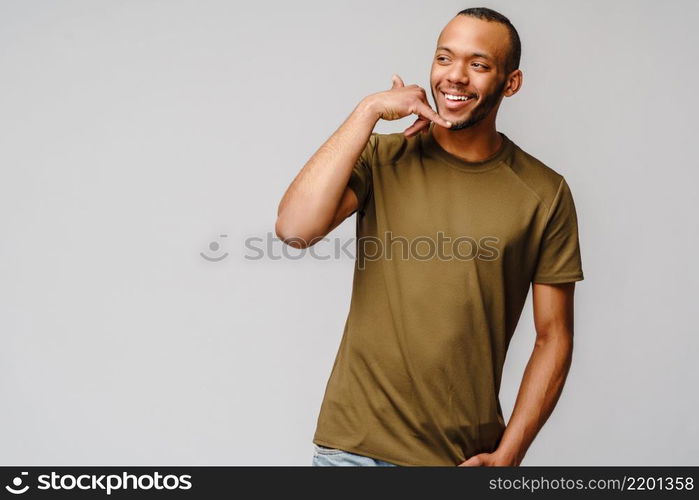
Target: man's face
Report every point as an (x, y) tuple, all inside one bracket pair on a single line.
[(469, 61)]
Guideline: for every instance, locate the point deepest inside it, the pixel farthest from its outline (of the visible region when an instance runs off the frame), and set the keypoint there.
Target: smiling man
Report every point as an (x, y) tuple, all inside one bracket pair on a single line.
[(455, 223)]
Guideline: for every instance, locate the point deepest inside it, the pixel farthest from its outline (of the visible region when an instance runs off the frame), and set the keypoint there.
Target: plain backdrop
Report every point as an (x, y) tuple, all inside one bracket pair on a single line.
[(145, 146)]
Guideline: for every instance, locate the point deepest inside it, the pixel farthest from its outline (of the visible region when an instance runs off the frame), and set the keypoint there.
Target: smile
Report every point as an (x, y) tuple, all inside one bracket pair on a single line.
[(456, 101), (456, 97)]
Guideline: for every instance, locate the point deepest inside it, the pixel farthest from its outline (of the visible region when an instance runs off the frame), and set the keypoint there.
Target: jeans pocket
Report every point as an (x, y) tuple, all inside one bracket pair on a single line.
[(324, 450)]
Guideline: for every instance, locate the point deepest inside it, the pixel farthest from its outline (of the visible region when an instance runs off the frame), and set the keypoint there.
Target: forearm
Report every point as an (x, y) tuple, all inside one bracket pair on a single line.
[(542, 384), (309, 204)]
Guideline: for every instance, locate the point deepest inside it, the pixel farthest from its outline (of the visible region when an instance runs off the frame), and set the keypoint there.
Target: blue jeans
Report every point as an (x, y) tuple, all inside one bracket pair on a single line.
[(329, 457)]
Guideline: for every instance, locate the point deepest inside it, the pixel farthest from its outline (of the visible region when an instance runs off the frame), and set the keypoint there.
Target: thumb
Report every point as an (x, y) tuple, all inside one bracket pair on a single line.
[(397, 82)]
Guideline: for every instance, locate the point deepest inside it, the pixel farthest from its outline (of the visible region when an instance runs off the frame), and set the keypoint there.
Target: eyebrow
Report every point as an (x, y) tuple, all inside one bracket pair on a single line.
[(474, 54)]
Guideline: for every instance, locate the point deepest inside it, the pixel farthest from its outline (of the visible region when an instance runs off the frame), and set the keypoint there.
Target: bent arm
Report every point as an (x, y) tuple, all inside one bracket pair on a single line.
[(319, 198), (546, 371)]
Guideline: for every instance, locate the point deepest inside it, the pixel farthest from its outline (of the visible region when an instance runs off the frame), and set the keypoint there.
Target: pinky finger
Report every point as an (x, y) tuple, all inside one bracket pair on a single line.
[(419, 124)]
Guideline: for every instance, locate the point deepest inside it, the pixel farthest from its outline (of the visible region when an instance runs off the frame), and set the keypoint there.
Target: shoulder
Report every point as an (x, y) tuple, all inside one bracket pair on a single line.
[(543, 180), (391, 147)]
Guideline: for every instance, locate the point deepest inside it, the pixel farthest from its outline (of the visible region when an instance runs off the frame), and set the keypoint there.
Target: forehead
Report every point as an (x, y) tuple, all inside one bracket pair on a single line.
[(465, 35)]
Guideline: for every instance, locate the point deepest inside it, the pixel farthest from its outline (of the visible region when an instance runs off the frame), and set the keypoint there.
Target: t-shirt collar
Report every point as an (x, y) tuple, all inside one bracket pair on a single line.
[(432, 146)]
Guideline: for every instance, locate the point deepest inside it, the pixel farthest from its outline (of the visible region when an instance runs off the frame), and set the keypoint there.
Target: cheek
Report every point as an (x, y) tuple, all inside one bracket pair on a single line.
[(433, 78), (436, 73), (487, 84)]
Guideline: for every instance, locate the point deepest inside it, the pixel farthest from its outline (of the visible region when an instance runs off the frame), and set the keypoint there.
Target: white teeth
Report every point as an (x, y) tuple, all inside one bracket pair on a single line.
[(456, 97)]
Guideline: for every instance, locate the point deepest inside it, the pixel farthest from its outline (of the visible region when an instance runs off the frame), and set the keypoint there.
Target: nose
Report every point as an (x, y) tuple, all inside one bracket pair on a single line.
[(457, 74)]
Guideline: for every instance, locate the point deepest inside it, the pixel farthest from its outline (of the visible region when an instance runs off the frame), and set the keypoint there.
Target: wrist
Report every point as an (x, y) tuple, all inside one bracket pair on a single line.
[(367, 108), (510, 456)]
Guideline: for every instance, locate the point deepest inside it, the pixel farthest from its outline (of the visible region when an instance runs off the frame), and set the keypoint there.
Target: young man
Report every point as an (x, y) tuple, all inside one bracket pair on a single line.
[(454, 222)]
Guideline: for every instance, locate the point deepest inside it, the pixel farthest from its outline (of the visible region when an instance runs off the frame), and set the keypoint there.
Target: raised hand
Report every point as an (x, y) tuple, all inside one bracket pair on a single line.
[(401, 101)]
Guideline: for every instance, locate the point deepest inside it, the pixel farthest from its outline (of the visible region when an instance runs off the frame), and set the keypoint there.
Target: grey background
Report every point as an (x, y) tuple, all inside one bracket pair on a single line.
[(134, 133)]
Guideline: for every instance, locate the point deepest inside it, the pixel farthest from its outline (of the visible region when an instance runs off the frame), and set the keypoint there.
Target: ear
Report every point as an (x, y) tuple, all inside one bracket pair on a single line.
[(514, 83)]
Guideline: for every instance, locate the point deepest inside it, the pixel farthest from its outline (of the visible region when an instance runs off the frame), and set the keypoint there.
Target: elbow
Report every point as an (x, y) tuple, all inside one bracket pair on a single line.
[(294, 236)]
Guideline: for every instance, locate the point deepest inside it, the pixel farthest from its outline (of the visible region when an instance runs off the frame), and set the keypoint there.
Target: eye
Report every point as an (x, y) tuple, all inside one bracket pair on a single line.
[(439, 58), (480, 65)]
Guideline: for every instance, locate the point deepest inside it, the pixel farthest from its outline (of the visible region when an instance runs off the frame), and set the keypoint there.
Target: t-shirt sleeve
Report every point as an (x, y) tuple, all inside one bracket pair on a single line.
[(559, 254), (360, 180)]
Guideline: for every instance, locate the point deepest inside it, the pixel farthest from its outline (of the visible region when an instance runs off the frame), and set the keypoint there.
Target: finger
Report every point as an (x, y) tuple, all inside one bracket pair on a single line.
[(420, 128), (471, 462), (397, 82), (426, 111), (420, 124)]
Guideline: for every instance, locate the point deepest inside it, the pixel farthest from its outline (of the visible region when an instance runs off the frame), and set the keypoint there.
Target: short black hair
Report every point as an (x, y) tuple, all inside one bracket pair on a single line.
[(515, 52)]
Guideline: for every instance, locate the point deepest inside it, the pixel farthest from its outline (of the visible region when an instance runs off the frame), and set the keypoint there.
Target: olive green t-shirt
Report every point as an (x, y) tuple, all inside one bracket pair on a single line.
[(446, 252)]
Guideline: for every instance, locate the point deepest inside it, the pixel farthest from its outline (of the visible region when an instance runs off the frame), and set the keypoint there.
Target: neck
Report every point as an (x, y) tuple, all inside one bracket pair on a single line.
[(475, 144)]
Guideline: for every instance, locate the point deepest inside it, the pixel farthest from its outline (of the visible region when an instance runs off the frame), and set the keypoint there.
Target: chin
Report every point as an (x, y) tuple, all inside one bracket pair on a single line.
[(460, 124)]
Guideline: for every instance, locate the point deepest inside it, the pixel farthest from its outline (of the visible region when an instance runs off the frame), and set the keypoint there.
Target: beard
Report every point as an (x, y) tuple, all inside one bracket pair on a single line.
[(480, 111)]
